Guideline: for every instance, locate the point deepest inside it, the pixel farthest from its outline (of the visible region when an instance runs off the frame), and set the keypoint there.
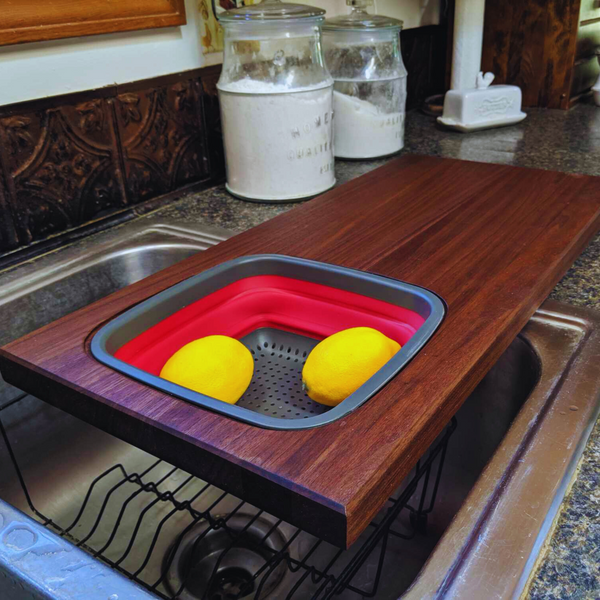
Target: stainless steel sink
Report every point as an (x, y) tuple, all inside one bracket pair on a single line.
[(506, 469)]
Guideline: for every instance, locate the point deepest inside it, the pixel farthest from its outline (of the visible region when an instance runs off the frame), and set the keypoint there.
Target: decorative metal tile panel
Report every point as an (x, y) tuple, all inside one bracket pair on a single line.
[(162, 138), (61, 165), (69, 161)]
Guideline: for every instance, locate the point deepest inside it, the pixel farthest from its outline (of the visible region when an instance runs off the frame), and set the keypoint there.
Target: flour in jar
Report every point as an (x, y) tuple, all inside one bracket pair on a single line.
[(362, 130), (278, 144)]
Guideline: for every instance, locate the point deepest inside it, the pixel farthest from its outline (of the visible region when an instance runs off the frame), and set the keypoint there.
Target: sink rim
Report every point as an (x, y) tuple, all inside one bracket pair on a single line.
[(526, 475), (31, 275)]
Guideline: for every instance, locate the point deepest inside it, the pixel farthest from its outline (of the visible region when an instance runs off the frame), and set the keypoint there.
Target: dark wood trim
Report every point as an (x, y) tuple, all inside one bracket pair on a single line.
[(589, 22)]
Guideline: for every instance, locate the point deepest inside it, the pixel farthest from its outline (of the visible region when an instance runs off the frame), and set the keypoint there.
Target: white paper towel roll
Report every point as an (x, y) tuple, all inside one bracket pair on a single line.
[(468, 43)]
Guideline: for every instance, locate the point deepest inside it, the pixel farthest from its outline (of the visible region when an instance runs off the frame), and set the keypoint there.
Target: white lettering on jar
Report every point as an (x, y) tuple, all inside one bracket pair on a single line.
[(276, 143)]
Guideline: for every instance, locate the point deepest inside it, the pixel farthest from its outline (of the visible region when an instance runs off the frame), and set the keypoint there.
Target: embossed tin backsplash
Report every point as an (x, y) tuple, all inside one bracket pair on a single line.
[(92, 157), (72, 160)]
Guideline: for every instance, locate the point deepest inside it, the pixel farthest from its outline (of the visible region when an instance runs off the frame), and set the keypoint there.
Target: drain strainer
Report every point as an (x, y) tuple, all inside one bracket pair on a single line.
[(221, 564), (276, 386)]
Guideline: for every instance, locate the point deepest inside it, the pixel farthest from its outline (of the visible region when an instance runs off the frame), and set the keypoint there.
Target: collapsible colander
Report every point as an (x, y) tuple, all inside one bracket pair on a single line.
[(279, 307)]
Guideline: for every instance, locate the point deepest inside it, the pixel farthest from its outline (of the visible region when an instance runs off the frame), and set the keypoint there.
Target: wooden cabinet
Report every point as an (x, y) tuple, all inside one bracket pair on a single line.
[(35, 20), (546, 47)]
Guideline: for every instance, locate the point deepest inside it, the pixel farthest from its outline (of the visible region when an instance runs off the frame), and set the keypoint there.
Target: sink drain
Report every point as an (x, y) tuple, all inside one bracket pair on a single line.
[(221, 564)]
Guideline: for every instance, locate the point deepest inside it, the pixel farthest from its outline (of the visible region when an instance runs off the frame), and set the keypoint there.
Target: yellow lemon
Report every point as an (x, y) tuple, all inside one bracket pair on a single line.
[(216, 365), (341, 363)]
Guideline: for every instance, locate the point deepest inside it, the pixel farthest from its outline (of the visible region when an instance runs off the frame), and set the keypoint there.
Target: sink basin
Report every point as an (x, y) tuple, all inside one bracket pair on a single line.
[(505, 471)]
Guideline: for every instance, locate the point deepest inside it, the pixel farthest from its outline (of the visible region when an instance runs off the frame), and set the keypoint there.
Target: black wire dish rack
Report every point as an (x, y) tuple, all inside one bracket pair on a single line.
[(228, 549)]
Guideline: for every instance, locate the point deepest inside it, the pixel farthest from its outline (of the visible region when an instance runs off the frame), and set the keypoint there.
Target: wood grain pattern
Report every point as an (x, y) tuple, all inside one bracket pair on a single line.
[(531, 43), (491, 240), (37, 20)]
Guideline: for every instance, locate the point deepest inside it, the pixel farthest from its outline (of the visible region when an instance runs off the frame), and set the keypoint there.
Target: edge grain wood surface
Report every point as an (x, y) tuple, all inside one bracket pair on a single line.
[(491, 240)]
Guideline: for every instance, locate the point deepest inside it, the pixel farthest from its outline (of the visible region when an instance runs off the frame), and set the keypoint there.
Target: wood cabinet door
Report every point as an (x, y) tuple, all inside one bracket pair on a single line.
[(35, 20)]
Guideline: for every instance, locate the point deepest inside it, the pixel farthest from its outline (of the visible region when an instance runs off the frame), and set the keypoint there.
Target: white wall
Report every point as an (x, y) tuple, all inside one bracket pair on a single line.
[(43, 69), (35, 70)]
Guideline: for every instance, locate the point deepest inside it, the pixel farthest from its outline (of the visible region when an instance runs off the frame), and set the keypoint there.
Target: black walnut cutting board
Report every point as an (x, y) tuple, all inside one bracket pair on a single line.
[(491, 240)]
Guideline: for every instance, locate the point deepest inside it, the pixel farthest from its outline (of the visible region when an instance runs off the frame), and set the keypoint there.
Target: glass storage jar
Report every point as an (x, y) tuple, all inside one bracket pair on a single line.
[(276, 99), (362, 52)]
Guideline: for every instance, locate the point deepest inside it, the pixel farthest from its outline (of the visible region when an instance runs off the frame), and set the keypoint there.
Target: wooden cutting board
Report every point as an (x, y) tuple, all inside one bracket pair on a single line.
[(491, 240)]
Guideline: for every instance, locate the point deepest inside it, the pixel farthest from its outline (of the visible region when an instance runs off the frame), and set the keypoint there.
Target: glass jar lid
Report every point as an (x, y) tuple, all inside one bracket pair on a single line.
[(271, 10), (360, 19)]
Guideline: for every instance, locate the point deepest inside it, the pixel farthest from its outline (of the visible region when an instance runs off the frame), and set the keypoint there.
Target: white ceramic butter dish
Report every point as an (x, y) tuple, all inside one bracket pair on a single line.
[(482, 107)]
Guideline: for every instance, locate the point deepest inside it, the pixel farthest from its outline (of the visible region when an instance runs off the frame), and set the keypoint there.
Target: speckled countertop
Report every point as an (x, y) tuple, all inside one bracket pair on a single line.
[(555, 140)]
